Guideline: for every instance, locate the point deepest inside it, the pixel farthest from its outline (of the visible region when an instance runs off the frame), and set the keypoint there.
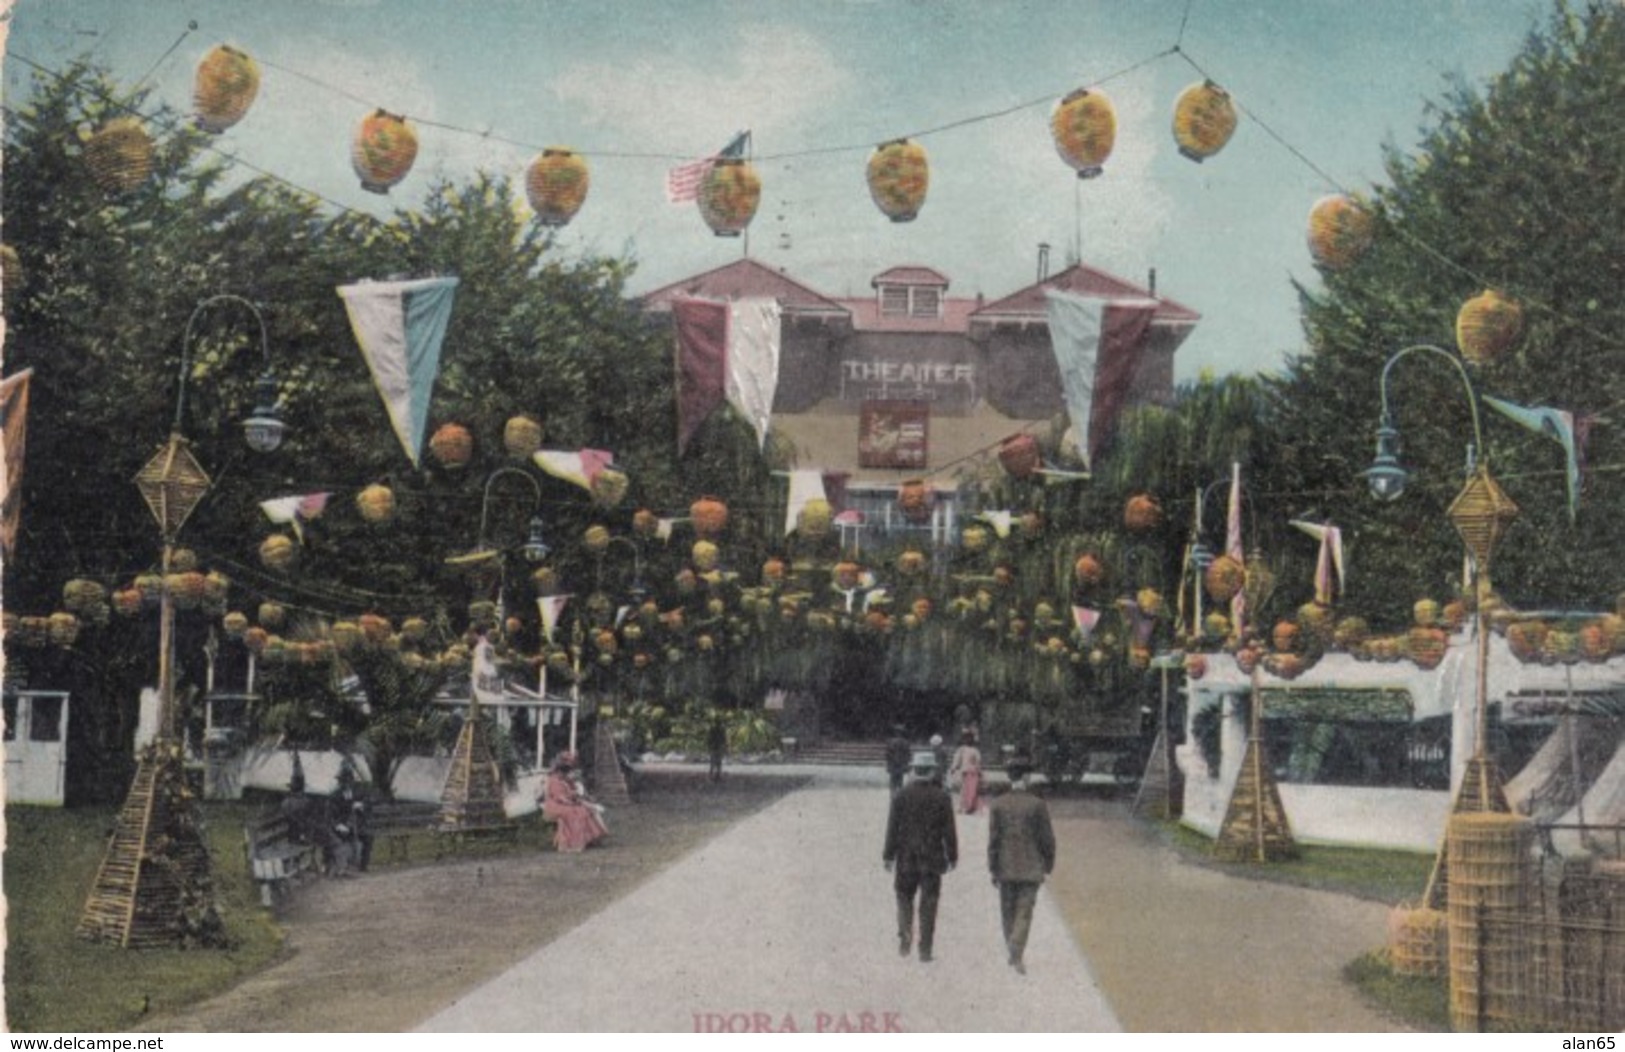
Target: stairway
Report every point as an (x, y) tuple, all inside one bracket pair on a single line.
[(842, 754)]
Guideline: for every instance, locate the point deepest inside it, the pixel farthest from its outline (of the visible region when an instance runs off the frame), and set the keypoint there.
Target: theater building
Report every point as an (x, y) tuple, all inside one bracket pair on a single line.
[(914, 383)]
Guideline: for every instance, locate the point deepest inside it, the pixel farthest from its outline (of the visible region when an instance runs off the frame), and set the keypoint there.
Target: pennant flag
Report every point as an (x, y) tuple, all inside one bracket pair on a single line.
[(486, 680), (663, 528), (580, 467), (550, 606), (13, 443), (804, 486), (400, 326), (1233, 546), (999, 520), (1098, 347), (295, 511), (620, 614), (1559, 425), (726, 351), (1085, 618), (1330, 560), (683, 182)]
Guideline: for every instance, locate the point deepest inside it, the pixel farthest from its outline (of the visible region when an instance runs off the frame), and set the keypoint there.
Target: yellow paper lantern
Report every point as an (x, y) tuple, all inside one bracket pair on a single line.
[(899, 176), (1204, 120), (376, 503), (556, 185), (1340, 231), (522, 436), (277, 552), (729, 195), (383, 151), (225, 86), (1084, 127), (816, 519), (1487, 325), (119, 155)]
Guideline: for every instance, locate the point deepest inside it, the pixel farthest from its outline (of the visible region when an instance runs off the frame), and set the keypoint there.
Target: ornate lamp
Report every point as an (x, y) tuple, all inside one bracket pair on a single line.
[(1481, 514)]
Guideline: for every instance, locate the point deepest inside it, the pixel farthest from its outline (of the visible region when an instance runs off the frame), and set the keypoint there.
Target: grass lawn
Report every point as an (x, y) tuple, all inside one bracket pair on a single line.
[(1423, 1004), (1367, 873), (58, 982)]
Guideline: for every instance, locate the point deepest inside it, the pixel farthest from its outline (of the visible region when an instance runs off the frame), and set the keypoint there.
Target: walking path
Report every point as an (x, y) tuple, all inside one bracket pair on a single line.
[(788, 920)]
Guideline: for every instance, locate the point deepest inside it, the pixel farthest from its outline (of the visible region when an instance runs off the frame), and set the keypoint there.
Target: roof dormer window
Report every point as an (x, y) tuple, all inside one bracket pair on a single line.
[(910, 301), (894, 300)]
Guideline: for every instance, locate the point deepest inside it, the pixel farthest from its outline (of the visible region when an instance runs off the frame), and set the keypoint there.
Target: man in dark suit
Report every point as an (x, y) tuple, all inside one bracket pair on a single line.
[(921, 845), (1020, 854)]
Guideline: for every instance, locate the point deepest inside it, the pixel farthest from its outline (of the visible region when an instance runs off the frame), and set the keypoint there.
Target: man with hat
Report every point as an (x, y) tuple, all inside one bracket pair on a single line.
[(1020, 854), (921, 845)]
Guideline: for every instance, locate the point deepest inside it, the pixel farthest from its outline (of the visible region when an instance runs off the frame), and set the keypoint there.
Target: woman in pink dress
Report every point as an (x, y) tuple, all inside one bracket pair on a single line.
[(562, 802), (967, 772)]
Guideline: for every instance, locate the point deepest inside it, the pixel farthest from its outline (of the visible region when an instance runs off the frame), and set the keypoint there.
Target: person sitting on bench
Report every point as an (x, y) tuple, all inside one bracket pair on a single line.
[(563, 802)]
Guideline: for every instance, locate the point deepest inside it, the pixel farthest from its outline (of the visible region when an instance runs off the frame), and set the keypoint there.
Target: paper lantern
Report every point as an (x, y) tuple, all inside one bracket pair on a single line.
[(914, 500), (545, 579), (1224, 578), (383, 151), (346, 636), (596, 539), (1088, 570), (376, 503), (728, 196), (710, 517), (522, 436), (225, 86), (235, 624), (1425, 646), (899, 176), (1149, 600), (1019, 455), (645, 523), (1339, 231), (63, 628), (556, 185), (1487, 325), (816, 519), (1426, 612), (1142, 513), (127, 601), (1351, 633), (974, 538), (1285, 636), (119, 155), (452, 446), (80, 595), (1204, 120), (705, 555), (912, 562), (375, 627), (1084, 127), (272, 615), (773, 571), (277, 552)]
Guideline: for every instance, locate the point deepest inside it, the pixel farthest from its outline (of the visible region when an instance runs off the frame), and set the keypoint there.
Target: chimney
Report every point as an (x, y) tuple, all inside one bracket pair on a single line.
[(1151, 281), (1043, 260)]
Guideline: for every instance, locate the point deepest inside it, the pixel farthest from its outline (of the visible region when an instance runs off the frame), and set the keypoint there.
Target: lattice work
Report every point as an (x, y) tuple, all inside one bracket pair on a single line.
[(1255, 825), (153, 888), (172, 483), (473, 793), (1156, 796), (1481, 792), (1481, 513), (1490, 873), (608, 780)]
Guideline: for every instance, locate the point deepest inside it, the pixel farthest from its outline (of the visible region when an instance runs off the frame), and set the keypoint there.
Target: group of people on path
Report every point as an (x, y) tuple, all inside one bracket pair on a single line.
[(340, 825), (922, 845), (962, 774)]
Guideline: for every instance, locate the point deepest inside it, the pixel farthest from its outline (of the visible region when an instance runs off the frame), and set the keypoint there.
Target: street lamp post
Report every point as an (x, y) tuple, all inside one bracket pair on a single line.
[(1481, 514), (154, 872)]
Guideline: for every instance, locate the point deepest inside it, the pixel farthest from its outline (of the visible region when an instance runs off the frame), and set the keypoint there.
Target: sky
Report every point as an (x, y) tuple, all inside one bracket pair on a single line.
[(639, 85)]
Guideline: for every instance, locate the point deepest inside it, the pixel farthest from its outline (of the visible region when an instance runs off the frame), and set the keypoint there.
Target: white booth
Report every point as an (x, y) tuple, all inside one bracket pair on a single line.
[(36, 746)]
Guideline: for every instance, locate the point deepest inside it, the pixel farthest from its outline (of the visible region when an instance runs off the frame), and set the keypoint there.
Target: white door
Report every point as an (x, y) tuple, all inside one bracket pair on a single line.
[(36, 747)]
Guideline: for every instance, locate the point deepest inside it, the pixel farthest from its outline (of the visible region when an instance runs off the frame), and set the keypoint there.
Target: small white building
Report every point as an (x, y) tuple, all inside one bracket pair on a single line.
[(36, 747), (1370, 753)]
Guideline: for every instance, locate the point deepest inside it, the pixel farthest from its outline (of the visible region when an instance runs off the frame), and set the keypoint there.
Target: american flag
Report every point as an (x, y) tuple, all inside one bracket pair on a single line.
[(683, 182)]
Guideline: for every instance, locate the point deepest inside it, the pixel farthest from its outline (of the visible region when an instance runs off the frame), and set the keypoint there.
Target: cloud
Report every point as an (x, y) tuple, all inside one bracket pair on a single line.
[(771, 79)]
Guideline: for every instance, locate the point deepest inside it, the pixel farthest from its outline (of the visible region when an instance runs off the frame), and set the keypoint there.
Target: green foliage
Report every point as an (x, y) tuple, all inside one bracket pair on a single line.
[(1507, 188), (1416, 1001)]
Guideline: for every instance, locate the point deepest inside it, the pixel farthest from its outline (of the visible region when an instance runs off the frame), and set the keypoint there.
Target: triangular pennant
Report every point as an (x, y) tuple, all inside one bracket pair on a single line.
[(549, 607), (579, 468), (400, 326), (1556, 424), (805, 486), (1085, 618)]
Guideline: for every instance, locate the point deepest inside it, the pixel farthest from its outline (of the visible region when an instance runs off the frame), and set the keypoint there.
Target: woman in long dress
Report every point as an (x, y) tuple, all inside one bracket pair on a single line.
[(966, 771), (563, 802)]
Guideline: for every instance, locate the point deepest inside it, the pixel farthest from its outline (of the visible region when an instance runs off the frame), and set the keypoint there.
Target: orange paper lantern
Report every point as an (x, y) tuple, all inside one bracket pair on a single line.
[(1019, 455), (710, 517), (1089, 570), (556, 185), (376, 503), (1224, 578), (1204, 120), (1339, 231), (729, 195), (225, 86), (1142, 513), (1487, 325), (452, 446), (899, 176), (383, 151), (1084, 127)]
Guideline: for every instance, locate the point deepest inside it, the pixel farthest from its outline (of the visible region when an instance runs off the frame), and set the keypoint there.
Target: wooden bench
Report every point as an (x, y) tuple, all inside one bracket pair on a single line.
[(454, 839), (275, 856), (393, 823)]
